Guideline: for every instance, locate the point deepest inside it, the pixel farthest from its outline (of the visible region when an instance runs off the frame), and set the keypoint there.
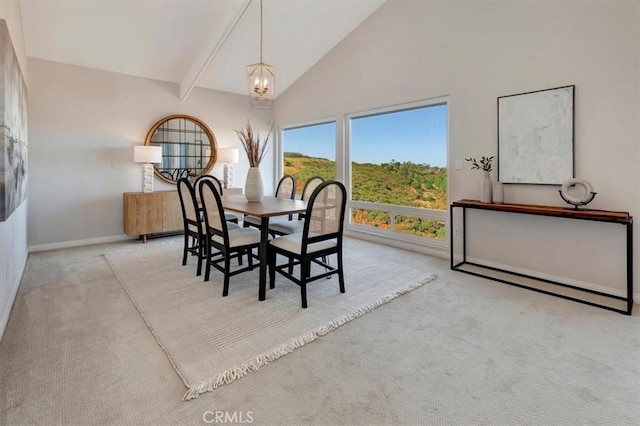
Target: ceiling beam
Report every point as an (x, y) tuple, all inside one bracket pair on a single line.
[(197, 68)]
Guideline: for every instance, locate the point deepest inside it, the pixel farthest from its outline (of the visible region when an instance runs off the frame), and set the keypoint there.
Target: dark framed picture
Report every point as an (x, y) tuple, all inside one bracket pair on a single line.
[(536, 136)]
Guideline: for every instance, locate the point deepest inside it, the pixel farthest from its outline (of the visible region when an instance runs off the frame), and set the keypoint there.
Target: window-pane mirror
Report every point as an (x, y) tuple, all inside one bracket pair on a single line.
[(189, 148)]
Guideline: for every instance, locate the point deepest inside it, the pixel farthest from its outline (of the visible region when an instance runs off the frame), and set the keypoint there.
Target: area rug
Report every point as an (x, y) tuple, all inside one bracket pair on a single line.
[(212, 341)]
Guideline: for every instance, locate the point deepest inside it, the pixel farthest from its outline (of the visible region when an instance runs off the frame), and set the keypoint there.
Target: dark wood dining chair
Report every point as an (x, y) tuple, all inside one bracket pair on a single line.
[(192, 223), (229, 217), (223, 243), (321, 236), (285, 227)]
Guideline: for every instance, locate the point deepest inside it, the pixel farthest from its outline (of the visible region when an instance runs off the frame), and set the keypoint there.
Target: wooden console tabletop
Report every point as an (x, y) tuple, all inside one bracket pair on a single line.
[(585, 214)]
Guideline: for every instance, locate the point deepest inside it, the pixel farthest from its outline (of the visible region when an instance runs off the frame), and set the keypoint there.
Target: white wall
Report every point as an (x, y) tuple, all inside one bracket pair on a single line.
[(477, 51), (13, 231), (83, 124)]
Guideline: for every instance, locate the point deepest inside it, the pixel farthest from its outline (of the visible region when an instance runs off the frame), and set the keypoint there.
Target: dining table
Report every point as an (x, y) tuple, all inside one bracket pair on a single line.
[(267, 208)]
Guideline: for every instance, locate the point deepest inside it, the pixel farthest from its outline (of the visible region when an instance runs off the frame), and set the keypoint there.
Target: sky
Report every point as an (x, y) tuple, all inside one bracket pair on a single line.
[(418, 135)]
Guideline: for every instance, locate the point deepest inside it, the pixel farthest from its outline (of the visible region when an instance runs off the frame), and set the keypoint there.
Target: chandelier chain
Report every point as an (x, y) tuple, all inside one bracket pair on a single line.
[(261, 23)]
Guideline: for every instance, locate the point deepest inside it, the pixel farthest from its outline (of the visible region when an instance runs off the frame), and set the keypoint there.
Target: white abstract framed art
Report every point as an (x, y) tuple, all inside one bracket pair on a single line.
[(536, 137), (13, 128)]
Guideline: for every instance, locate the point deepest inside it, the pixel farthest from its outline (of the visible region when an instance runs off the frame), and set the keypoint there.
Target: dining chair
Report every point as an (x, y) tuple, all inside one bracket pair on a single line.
[(321, 235), (226, 242), (286, 190), (192, 223), (284, 227), (229, 217)]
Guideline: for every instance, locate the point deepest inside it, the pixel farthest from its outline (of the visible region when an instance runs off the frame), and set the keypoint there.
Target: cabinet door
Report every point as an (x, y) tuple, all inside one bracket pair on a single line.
[(142, 213), (171, 212)]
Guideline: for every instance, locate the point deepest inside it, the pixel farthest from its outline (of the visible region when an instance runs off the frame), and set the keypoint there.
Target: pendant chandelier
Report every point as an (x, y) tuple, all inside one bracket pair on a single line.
[(261, 79)]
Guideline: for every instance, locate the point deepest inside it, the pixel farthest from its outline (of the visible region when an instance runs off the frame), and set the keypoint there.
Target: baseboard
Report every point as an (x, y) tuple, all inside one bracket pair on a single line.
[(14, 293), (577, 283), (442, 253), (77, 243)]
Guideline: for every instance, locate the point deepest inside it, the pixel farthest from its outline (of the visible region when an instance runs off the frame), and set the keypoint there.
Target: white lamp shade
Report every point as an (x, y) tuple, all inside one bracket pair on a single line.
[(228, 155), (147, 154)]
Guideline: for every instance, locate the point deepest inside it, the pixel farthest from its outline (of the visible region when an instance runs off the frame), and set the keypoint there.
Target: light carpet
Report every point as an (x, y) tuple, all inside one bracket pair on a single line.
[(212, 341)]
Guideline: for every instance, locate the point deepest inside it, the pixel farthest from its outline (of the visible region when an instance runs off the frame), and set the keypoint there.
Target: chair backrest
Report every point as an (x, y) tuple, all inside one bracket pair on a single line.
[(286, 187), (212, 210), (213, 179), (325, 213), (188, 203), (310, 186)]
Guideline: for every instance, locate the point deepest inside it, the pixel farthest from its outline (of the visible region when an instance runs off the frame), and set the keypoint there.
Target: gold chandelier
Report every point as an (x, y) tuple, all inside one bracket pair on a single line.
[(261, 79)]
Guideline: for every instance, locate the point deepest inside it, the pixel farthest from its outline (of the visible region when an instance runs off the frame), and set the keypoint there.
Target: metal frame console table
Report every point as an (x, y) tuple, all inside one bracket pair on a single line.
[(622, 218)]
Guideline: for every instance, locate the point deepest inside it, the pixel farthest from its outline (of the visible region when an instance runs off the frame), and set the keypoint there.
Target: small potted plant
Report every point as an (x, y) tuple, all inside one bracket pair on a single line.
[(486, 186), (255, 148)]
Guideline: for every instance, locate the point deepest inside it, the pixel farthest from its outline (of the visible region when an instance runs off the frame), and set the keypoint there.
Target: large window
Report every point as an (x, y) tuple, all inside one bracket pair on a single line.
[(309, 151), (398, 171)]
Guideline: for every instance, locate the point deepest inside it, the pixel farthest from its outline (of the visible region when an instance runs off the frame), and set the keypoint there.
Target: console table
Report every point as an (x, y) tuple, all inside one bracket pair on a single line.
[(508, 277)]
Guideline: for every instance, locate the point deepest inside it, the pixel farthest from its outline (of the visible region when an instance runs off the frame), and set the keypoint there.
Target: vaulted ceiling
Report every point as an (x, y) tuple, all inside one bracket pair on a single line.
[(194, 43)]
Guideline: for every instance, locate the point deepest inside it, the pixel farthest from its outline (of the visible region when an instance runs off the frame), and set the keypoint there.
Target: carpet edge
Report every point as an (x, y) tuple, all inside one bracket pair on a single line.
[(149, 327), (252, 365)]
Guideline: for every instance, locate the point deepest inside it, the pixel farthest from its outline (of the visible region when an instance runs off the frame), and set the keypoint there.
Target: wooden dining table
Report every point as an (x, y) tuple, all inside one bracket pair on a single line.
[(265, 209)]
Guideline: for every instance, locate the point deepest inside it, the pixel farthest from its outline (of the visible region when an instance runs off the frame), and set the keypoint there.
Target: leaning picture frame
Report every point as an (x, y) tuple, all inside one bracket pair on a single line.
[(536, 136)]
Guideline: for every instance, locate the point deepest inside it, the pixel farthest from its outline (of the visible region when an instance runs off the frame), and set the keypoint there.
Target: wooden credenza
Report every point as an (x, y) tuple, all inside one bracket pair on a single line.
[(159, 212), (148, 213)]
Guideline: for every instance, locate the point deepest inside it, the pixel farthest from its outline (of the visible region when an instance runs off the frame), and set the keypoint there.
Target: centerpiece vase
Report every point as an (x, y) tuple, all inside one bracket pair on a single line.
[(253, 189), (486, 188)]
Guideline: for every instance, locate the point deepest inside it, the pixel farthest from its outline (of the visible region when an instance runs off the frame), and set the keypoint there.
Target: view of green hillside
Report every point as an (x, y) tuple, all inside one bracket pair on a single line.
[(397, 183)]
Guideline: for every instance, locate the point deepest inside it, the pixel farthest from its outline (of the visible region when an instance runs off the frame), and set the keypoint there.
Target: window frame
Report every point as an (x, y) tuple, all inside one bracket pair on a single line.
[(393, 210), (279, 154)]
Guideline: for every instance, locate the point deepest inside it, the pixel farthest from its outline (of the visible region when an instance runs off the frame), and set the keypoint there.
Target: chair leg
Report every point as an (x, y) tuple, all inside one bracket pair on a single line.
[(308, 269), (249, 253), (227, 267), (303, 295), (340, 272), (290, 265), (240, 254), (304, 273), (207, 270), (202, 251), (185, 249), (199, 270), (327, 261)]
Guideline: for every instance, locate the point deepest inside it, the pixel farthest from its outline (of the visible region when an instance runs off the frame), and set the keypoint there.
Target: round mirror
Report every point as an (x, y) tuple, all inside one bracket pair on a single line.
[(189, 148)]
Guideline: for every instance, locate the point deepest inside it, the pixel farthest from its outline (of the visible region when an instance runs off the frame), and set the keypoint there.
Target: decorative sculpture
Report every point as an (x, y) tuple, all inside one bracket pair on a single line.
[(578, 199)]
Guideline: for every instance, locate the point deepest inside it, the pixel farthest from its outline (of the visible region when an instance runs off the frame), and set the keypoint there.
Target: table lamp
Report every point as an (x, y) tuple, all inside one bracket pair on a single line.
[(147, 154), (228, 156)]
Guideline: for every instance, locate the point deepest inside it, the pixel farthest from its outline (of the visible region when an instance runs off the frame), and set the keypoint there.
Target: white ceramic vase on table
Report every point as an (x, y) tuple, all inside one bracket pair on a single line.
[(486, 188), (253, 189), (498, 192)]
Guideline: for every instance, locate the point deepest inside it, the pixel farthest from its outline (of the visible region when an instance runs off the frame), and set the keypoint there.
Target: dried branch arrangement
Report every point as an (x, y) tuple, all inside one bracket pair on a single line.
[(253, 146)]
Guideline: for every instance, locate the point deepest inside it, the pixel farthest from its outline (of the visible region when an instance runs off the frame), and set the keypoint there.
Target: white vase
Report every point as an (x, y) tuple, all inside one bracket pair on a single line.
[(253, 189), (486, 188), (498, 192)]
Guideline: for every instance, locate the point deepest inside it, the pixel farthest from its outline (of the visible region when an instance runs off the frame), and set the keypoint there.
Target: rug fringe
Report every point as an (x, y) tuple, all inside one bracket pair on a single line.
[(252, 365)]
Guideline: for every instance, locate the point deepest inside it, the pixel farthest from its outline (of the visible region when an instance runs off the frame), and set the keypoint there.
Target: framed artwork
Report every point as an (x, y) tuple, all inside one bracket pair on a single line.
[(13, 128), (535, 136)]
